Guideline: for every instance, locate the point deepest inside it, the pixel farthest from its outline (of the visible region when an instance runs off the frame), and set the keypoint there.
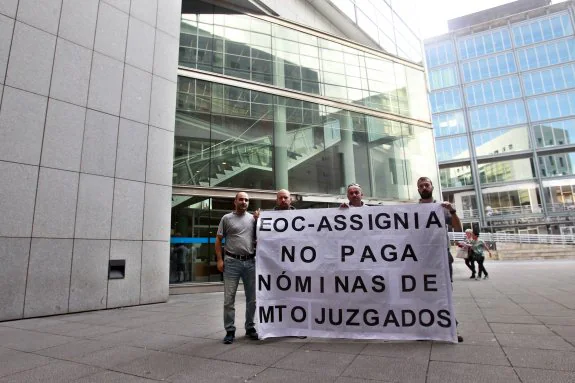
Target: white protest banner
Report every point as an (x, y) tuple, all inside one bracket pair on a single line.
[(377, 272)]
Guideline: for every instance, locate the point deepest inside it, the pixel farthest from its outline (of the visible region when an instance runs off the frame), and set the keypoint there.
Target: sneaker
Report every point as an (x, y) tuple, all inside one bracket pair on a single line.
[(229, 338), (459, 338), (252, 334), (476, 278), (486, 277)]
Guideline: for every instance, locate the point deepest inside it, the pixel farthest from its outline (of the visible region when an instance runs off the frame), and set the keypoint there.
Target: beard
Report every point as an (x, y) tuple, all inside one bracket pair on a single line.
[(425, 194)]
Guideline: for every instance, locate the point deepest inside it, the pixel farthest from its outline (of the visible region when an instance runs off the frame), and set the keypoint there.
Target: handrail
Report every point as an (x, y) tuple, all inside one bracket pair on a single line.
[(519, 238), (513, 210), (261, 141), (507, 210)]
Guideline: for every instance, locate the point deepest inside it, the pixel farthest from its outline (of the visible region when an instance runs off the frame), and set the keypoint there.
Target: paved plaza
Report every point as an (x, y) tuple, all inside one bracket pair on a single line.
[(519, 326)]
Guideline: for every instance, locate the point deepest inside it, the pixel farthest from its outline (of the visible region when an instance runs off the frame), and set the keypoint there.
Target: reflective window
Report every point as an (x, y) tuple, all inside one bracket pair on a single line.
[(380, 22), (442, 101), (408, 44), (443, 77), (234, 137), (554, 165), (552, 106), (448, 123), (394, 174), (224, 136), (389, 170), (501, 141), (549, 80), (546, 54), (516, 200), (455, 176), (498, 115), (509, 170), (554, 133), (544, 28), (416, 143), (454, 148), (412, 97), (246, 47), (488, 92), (440, 54), (482, 44), (560, 196), (488, 67)]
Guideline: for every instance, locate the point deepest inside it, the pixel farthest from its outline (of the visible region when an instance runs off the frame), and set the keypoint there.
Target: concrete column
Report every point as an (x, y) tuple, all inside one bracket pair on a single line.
[(280, 130), (533, 200), (346, 148)]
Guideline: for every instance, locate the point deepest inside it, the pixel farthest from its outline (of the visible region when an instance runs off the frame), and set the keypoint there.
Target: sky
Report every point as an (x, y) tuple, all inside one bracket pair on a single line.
[(433, 14)]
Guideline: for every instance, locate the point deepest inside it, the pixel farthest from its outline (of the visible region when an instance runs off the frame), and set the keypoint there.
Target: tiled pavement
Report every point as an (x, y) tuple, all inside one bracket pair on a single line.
[(519, 326)]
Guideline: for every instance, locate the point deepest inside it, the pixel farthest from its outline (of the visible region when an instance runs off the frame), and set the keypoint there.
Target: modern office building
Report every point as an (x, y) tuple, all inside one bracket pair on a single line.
[(105, 135), (87, 100), (502, 96), (305, 95)]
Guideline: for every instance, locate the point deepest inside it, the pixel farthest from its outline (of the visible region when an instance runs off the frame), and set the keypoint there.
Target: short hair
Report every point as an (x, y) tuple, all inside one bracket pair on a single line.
[(468, 231), (420, 179), (356, 185)]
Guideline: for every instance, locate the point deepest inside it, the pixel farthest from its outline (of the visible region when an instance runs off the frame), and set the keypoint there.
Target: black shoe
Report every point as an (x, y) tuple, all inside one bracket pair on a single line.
[(459, 338), (229, 338), (252, 334), (472, 276)]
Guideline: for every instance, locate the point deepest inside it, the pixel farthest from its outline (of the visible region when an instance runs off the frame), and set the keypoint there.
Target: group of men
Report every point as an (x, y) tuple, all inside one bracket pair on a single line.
[(236, 260)]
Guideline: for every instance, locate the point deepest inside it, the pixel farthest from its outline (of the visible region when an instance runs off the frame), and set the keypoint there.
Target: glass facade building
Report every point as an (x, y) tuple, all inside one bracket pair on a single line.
[(264, 103), (390, 23), (502, 96)]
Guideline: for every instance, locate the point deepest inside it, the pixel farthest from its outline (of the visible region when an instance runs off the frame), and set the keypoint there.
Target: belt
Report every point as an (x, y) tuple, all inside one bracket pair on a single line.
[(240, 257)]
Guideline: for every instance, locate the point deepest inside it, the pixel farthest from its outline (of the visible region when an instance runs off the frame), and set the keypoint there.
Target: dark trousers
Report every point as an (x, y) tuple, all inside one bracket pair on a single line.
[(470, 263), (480, 266)]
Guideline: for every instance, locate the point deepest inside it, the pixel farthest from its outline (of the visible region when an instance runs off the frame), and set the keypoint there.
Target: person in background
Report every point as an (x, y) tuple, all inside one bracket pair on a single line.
[(181, 252), (478, 247), (469, 261)]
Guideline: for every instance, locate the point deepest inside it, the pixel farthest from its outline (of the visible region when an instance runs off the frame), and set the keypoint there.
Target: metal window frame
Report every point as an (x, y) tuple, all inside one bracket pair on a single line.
[(301, 96)]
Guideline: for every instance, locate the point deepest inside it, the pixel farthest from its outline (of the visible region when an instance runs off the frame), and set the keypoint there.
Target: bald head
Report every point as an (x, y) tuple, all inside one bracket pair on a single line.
[(283, 199), (241, 202)]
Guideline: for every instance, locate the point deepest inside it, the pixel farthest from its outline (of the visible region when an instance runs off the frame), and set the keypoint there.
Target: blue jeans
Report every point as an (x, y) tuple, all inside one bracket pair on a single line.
[(234, 269)]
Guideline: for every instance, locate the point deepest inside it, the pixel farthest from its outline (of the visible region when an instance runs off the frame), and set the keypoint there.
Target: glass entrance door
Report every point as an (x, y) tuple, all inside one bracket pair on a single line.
[(194, 226)]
